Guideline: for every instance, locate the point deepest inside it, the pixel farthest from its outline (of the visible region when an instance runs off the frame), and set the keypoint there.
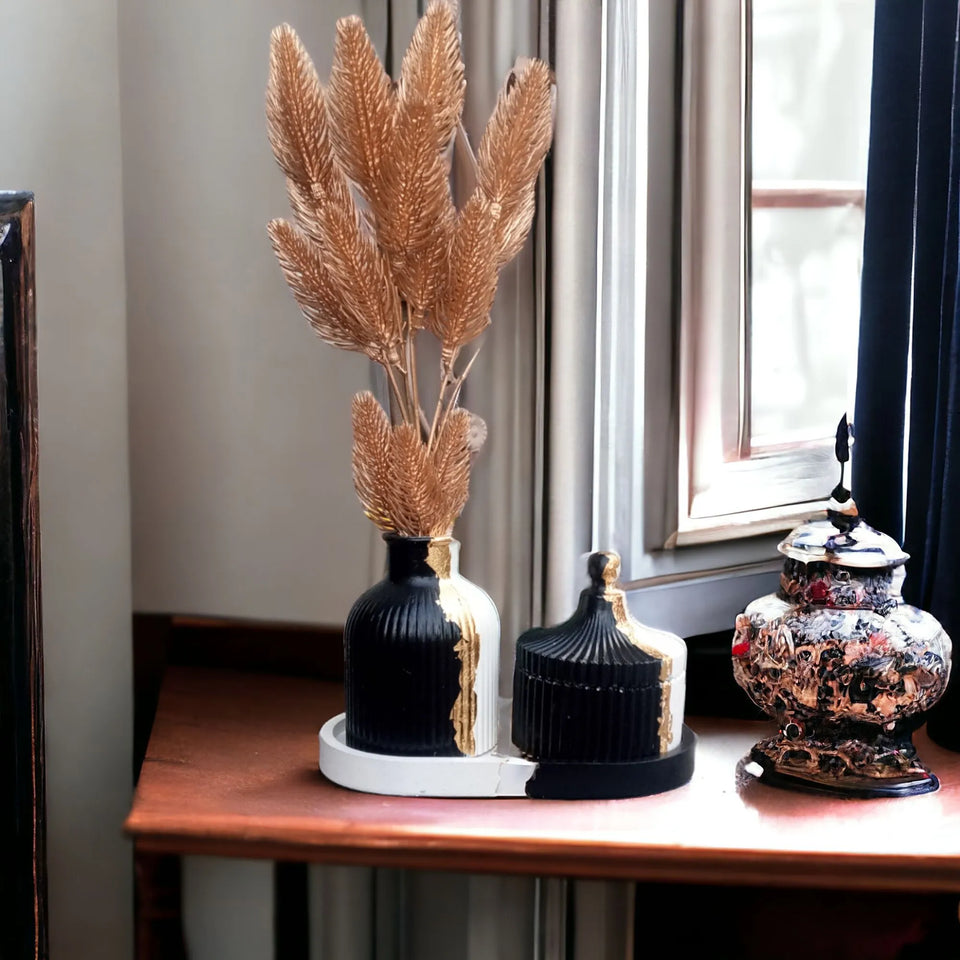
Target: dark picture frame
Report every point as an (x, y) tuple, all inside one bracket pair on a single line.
[(23, 886)]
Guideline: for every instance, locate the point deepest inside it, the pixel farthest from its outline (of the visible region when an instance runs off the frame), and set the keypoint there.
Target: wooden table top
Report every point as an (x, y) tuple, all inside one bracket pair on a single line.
[(231, 769)]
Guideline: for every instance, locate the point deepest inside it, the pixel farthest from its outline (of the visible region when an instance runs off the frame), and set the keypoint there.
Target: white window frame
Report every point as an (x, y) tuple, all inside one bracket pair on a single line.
[(726, 489), (651, 496)]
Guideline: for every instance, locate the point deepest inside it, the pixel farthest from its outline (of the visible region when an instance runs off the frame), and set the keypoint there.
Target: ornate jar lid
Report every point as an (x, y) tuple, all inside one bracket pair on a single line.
[(824, 541)]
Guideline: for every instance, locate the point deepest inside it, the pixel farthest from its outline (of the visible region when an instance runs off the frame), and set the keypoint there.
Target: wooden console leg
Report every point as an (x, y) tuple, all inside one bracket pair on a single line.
[(159, 918)]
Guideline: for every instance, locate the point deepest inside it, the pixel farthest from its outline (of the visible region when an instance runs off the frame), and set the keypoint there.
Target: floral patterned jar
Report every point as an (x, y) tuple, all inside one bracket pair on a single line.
[(844, 666)]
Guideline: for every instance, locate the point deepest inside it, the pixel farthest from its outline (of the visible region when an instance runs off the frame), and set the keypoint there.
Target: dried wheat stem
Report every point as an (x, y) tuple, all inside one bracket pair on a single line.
[(405, 332), (412, 351), (424, 423), (409, 368), (393, 407), (455, 393), (397, 392), (436, 416), (446, 378)]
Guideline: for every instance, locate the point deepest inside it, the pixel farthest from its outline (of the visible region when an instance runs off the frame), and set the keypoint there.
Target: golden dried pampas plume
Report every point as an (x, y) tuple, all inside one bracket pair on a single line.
[(372, 438), (378, 250), (512, 150), (471, 281), (362, 105), (432, 71), (403, 486)]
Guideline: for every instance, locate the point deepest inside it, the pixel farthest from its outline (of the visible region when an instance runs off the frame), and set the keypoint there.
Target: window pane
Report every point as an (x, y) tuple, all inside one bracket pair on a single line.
[(806, 305), (811, 74), (812, 63)]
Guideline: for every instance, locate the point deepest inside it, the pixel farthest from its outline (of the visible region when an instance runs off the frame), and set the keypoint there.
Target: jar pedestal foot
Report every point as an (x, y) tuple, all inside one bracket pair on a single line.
[(871, 763)]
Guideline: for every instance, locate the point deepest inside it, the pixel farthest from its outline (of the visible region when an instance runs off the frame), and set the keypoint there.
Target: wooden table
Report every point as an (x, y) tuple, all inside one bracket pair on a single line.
[(231, 770)]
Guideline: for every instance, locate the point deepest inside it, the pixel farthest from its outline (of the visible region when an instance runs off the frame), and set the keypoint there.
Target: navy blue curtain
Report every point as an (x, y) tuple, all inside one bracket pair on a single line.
[(907, 454)]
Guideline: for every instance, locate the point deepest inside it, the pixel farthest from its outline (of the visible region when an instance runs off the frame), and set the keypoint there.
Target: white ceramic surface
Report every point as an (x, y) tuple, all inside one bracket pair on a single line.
[(491, 775)]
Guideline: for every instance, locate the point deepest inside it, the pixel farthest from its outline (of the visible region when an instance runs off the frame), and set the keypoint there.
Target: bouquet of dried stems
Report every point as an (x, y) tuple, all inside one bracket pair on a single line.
[(378, 251)]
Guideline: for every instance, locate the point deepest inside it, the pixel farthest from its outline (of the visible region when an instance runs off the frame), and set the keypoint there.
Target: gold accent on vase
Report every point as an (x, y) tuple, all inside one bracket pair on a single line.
[(464, 712), (438, 557), (631, 630), (666, 717)]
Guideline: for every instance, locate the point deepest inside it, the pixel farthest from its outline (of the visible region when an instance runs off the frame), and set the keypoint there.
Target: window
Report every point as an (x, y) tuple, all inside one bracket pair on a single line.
[(729, 288), (776, 96)]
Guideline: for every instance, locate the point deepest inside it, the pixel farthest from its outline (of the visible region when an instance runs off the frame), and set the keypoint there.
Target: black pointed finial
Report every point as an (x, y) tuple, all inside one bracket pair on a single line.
[(843, 510), (842, 449), (844, 434)]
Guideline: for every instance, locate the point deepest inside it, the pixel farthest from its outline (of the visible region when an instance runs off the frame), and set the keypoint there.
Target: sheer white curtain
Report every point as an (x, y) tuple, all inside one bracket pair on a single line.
[(500, 528), (571, 346)]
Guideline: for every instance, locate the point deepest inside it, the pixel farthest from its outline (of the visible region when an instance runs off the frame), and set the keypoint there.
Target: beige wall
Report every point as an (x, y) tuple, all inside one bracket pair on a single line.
[(240, 436), (243, 504), (61, 138)]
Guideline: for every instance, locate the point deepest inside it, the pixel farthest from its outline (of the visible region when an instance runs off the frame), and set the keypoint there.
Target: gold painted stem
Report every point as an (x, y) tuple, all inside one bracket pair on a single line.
[(446, 378), (412, 365), (396, 391)]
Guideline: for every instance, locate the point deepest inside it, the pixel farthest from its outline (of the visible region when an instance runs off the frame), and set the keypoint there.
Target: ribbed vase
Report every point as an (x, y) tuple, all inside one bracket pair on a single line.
[(422, 651)]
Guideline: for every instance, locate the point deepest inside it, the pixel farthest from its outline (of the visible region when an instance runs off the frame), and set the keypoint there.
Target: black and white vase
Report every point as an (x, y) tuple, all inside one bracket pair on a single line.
[(422, 650)]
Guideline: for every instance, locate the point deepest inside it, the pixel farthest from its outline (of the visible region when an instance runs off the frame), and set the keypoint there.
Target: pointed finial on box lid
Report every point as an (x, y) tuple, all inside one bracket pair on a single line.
[(604, 569)]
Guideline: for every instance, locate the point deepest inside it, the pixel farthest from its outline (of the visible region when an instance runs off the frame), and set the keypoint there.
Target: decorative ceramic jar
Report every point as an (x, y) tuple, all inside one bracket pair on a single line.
[(422, 650), (598, 699), (844, 666)]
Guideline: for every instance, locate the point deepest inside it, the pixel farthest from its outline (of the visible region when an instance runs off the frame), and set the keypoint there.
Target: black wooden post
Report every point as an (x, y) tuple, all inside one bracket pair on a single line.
[(23, 928)]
